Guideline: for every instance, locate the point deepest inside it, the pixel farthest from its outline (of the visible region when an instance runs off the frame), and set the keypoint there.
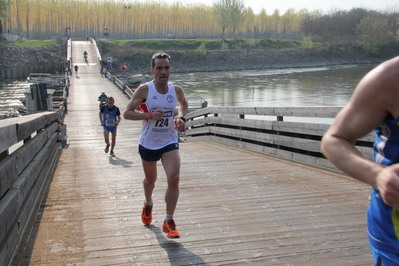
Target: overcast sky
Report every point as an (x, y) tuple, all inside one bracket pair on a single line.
[(324, 5)]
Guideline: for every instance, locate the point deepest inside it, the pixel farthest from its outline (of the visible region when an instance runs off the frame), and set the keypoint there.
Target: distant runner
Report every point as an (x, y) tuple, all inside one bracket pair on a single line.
[(76, 70)]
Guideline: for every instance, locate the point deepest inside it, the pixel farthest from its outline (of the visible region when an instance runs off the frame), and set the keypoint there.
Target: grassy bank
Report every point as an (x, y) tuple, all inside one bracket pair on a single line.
[(199, 45), (195, 55), (30, 43), (198, 55)]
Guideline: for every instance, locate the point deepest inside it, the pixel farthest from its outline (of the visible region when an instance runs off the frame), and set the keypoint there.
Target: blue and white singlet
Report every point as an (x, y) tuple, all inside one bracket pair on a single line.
[(156, 134), (383, 220)]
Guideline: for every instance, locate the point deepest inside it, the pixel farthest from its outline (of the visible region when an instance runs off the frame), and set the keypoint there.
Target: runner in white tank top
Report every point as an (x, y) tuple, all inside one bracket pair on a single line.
[(158, 139), (156, 134)]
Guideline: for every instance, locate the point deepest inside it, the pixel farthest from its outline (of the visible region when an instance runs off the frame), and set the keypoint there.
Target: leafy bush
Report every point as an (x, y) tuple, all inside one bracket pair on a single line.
[(201, 50), (307, 43), (225, 46)]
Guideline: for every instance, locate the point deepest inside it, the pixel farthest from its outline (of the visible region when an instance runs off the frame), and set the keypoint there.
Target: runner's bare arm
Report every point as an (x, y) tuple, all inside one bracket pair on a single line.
[(139, 96), (374, 98), (181, 99)]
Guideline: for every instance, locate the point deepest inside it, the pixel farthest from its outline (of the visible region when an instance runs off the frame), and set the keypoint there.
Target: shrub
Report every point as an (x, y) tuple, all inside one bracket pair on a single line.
[(307, 43), (201, 50)]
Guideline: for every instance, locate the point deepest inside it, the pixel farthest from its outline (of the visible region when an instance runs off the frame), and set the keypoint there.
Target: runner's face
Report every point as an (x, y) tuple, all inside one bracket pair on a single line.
[(161, 70), (110, 103)]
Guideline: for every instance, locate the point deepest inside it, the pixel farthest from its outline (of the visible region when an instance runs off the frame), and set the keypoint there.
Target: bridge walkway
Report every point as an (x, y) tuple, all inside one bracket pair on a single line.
[(236, 207)]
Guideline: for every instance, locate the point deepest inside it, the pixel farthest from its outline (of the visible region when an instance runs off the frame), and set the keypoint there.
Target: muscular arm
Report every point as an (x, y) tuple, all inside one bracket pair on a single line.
[(140, 96), (373, 99), (183, 108), (338, 144), (181, 99)]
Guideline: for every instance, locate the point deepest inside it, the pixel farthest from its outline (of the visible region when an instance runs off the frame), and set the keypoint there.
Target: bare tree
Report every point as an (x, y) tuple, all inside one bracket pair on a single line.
[(263, 23), (237, 15), (3, 13), (250, 24), (286, 21), (311, 24), (221, 16), (49, 19), (229, 14)]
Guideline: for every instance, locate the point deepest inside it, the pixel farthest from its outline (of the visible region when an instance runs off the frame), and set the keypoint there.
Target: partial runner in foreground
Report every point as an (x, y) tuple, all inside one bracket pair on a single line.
[(159, 139), (373, 106), (110, 117)]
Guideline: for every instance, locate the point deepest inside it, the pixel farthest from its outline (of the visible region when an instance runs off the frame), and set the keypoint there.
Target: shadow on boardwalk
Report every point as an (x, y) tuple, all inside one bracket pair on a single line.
[(177, 254)]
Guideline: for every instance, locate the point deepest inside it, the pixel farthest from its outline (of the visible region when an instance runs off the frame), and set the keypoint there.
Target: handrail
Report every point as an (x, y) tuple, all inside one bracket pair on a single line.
[(25, 171), (120, 84), (291, 133)]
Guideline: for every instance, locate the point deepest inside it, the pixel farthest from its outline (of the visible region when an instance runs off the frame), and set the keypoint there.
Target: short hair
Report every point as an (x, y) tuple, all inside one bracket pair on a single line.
[(158, 56), (111, 98)]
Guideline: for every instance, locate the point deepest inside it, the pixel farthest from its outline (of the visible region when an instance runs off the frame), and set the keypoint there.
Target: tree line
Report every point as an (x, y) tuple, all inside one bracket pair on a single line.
[(49, 19)]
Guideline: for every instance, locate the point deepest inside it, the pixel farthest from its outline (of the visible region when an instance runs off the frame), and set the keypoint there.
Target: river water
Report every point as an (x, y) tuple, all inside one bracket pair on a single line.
[(322, 86), (11, 95)]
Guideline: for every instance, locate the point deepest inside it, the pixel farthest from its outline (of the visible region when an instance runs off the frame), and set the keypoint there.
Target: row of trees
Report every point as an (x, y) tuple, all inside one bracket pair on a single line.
[(46, 19)]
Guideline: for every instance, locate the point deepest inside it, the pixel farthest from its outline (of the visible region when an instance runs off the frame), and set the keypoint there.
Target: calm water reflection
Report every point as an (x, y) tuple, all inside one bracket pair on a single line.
[(323, 86), (326, 86)]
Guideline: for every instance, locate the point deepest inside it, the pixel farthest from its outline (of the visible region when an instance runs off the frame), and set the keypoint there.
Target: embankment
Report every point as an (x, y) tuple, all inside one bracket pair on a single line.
[(192, 61), (268, 59), (22, 59)]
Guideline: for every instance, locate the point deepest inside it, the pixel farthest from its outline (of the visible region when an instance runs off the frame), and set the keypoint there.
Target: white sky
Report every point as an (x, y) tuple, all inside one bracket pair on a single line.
[(311, 5)]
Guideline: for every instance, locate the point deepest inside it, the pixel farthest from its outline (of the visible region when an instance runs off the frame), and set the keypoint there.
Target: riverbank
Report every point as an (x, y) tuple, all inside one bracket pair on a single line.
[(268, 59), (192, 61), (211, 61)]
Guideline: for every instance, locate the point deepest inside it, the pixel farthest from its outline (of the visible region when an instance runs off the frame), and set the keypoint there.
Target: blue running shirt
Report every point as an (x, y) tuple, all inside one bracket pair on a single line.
[(383, 220)]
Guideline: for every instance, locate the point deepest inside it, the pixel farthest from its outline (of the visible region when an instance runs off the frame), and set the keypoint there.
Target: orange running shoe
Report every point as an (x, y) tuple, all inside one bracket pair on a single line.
[(146, 215), (170, 228)]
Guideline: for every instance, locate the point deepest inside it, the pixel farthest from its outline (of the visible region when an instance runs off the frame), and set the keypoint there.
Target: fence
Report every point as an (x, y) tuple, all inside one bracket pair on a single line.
[(263, 130), (25, 172)]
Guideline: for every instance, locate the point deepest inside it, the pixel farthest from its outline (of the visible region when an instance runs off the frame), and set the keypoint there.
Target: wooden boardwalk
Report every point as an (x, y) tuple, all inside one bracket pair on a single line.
[(236, 207)]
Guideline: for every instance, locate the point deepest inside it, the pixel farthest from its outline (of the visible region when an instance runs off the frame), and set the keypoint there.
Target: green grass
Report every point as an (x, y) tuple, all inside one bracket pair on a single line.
[(194, 44), (34, 43)]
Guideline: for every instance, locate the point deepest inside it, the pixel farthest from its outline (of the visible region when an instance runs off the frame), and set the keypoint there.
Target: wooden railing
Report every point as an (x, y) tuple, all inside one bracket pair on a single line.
[(125, 89), (194, 103), (30, 147), (264, 130)]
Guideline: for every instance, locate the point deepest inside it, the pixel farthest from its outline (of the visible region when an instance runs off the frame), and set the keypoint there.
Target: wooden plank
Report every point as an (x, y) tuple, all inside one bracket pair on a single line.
[(289, 127), (302, 111), (8, 134), (8, 173), (222, 187)]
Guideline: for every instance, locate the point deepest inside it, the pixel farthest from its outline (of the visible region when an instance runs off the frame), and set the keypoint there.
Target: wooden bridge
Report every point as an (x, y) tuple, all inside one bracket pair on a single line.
[(236, 206)]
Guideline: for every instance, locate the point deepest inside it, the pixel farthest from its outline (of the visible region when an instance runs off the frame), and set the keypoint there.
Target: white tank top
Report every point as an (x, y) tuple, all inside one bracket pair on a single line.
[(156, 134)]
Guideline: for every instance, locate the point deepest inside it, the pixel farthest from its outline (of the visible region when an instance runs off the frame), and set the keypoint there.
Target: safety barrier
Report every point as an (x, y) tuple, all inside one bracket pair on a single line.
[(30, 147), (263, 130)]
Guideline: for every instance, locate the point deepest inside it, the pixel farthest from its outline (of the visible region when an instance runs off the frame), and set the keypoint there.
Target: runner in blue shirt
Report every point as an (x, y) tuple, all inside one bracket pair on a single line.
[(373, 106), (110, 117)]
